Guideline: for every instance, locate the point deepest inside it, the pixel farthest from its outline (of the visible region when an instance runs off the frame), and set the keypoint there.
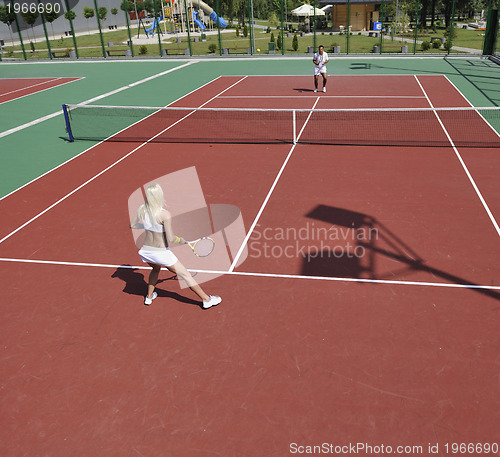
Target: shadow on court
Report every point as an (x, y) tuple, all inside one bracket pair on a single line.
[(369, 241), (135, 284)]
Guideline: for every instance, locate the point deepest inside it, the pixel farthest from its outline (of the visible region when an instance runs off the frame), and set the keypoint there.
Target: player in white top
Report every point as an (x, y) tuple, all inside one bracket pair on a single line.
[(320, 60)]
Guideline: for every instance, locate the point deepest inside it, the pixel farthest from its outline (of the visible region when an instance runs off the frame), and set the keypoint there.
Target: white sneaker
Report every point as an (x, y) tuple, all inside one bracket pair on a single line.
[(148, 301), (214, 300), (324, 89), (315, 90)]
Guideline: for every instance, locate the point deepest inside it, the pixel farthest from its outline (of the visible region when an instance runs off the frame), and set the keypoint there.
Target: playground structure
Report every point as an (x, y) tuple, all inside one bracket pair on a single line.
[(174, 17)]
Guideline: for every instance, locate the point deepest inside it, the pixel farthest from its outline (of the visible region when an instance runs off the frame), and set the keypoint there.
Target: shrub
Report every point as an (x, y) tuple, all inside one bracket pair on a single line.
[(436, 44), (237, 31), (268, 30), (425, 45), (278, 44), (143, 50), (295, 43), (272, 38), (446, 44), (212, 47), (245, 31), (331, 33), (359, 33)]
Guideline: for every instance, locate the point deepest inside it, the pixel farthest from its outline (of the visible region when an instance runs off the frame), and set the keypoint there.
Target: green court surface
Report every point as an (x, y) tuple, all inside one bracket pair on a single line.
[(31, 145)]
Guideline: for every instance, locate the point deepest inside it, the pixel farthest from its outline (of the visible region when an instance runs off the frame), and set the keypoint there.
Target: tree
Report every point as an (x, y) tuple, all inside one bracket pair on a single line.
[(7, 18), (30, 19), (102, 13), (295, 43), (149, 6), (278, 44), (70, 15), (127, 5), (50, 18), (114, 12), (87, 14)]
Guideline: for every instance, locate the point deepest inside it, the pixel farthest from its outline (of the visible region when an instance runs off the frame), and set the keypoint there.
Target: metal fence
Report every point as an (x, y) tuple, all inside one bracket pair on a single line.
[(197, 28)]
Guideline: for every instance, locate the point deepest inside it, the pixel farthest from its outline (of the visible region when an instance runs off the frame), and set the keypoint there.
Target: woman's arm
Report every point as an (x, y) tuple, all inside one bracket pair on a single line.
[(137, 224), (167, 223)]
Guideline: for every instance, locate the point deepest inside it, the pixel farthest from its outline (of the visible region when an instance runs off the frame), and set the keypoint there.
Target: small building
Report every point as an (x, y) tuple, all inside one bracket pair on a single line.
[(363, 13)]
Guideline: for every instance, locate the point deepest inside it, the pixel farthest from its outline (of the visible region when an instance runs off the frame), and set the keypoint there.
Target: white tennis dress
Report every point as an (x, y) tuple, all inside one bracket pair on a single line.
[(320, 58), (156, 255)]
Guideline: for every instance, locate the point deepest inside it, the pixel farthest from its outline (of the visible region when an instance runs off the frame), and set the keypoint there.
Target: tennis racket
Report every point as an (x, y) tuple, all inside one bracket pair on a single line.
[(202, 246)]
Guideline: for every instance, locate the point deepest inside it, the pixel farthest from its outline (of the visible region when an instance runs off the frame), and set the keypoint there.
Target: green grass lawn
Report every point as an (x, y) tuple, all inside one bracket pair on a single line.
[(90, 45)]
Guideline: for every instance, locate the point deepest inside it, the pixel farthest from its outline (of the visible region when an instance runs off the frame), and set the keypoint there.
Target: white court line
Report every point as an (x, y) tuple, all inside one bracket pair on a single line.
[(43, 90), (471, 179), (325, 96), (107, 94), (112, 165), (247, 237), (261, 275), (29, 87), (97, 144), (465, 98)]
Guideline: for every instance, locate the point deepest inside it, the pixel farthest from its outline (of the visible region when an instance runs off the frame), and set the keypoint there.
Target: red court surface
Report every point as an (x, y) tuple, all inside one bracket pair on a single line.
[(12, 88), (312, 344)]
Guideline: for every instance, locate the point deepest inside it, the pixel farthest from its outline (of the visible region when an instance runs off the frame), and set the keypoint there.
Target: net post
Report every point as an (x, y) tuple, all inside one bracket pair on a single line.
[(68, 125), (294, 121)]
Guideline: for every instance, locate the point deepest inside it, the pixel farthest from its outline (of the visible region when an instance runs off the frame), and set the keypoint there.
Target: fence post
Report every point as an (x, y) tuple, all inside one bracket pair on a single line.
[(417, 16), (452, 19), (282, 29), (19, 31), (218, 26), (382, 13), (348, 24), (490, 35), (314, 25), (187, 26), (96, 6), (72, 29), (128, 28), (45, 32)]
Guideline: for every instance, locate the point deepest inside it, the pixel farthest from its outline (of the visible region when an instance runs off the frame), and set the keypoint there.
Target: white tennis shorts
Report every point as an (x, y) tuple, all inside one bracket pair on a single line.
[(158, 256), (318, 70)]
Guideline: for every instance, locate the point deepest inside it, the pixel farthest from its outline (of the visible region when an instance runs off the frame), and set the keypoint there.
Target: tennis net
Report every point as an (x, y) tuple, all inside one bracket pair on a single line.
[(434, 127)]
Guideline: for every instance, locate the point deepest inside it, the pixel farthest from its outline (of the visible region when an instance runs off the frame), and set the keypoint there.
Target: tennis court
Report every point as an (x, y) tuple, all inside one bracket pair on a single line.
[(364, 313)]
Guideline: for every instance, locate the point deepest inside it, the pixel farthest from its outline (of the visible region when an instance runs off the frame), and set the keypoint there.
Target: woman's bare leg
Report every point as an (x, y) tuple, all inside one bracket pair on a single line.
[(153, 278), (181, 272)]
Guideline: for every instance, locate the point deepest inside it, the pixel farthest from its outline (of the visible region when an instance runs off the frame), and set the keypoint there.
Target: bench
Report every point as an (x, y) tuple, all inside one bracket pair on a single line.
[(118, 52), (244, 50), (56, 54), (175, 51), (389, 48)]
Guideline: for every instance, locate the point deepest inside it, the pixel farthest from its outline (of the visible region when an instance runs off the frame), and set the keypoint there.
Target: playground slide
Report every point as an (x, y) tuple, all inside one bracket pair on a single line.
[(152, 29), (197, 21), (213, 15)]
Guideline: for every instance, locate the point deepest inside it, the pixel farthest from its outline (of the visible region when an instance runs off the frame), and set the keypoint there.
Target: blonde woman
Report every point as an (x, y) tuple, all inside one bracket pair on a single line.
[(157, 222)]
